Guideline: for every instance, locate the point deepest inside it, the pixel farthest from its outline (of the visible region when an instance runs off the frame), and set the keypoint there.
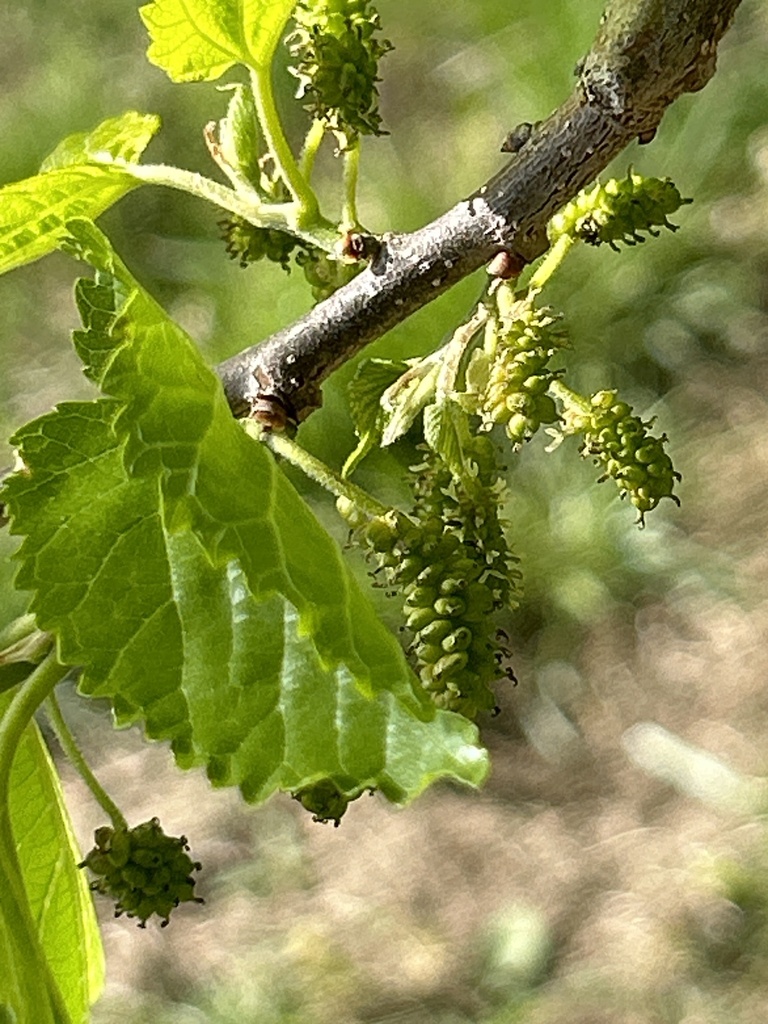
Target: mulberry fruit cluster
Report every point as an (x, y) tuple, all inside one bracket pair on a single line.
[(633, 457), (619, 211), (336, 55), (143, 870), (324, 274), (452, 565), (324, 800), (247, 244), (520, 346)]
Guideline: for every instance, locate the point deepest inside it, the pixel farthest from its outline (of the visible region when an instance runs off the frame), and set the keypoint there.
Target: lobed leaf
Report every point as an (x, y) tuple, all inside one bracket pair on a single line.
[(84, 175), (178, 566), (198, 40)]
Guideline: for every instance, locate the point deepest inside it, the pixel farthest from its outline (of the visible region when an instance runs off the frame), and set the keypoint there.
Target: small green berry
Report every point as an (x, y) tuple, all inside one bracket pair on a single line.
[(145, 871)]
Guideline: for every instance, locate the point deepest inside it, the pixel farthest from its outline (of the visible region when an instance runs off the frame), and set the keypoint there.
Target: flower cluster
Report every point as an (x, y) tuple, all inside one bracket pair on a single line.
[(247, 243), (324, 273), (618, 211), (324, 800), (336, 56), (143, 870), (622, 445), (452, 565), (520, 341)]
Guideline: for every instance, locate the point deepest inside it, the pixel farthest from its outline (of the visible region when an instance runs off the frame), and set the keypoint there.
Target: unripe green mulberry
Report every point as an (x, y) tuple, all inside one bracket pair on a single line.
[(336, 53), (325, 274), (145, 871), (452, 566), (520, 341), (248, 244), (633, 457), (618, 211), (324, 800)]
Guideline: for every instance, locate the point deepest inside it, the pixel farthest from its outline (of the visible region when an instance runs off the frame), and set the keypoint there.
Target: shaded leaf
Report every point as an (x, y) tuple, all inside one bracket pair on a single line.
[(446, 431), (404, 400), (365, 390), (239, 139)]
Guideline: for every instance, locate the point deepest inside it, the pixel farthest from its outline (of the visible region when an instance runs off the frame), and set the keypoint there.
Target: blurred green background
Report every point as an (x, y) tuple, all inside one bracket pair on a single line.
[(615, 867)]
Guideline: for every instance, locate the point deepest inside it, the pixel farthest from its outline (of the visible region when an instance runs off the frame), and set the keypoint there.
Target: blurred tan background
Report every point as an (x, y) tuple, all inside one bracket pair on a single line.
[(615, 867)]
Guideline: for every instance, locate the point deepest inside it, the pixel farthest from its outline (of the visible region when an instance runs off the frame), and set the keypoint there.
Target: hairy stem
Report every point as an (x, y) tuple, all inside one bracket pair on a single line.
[(77, 760), (316, 470), (247, 204), (307, 210)]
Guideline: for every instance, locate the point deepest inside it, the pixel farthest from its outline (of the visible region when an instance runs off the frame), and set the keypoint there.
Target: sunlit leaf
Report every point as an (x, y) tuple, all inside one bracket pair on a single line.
[(179, 567), (57, 891), (198, 40), (83, 177)]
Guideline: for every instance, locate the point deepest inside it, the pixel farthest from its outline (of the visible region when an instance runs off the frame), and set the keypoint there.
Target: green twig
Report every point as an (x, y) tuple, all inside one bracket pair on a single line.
[(31, 694), (349, 219), (550, 263), (307, 210), (79, 763), (247, 204), (309, 150), (316, 470), (569, 397)]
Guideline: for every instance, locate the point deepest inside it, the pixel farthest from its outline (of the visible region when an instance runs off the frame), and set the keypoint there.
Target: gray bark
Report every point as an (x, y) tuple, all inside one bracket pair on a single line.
[(646, 54)]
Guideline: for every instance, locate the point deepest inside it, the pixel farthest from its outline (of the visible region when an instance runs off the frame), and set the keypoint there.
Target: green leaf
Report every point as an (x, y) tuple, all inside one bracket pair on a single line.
[(84, 176), (179, 567), (238, 134), (404, 400), (122, 138), (198, 40), (371, 380), (57, 891), (446, 431)]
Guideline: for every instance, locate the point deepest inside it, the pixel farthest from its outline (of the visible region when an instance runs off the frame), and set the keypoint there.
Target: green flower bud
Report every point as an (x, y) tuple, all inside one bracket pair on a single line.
[(436, 631), (520, 341), (459, 640), (248, 244), (324, 800), (618, 211), (323, 273)]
